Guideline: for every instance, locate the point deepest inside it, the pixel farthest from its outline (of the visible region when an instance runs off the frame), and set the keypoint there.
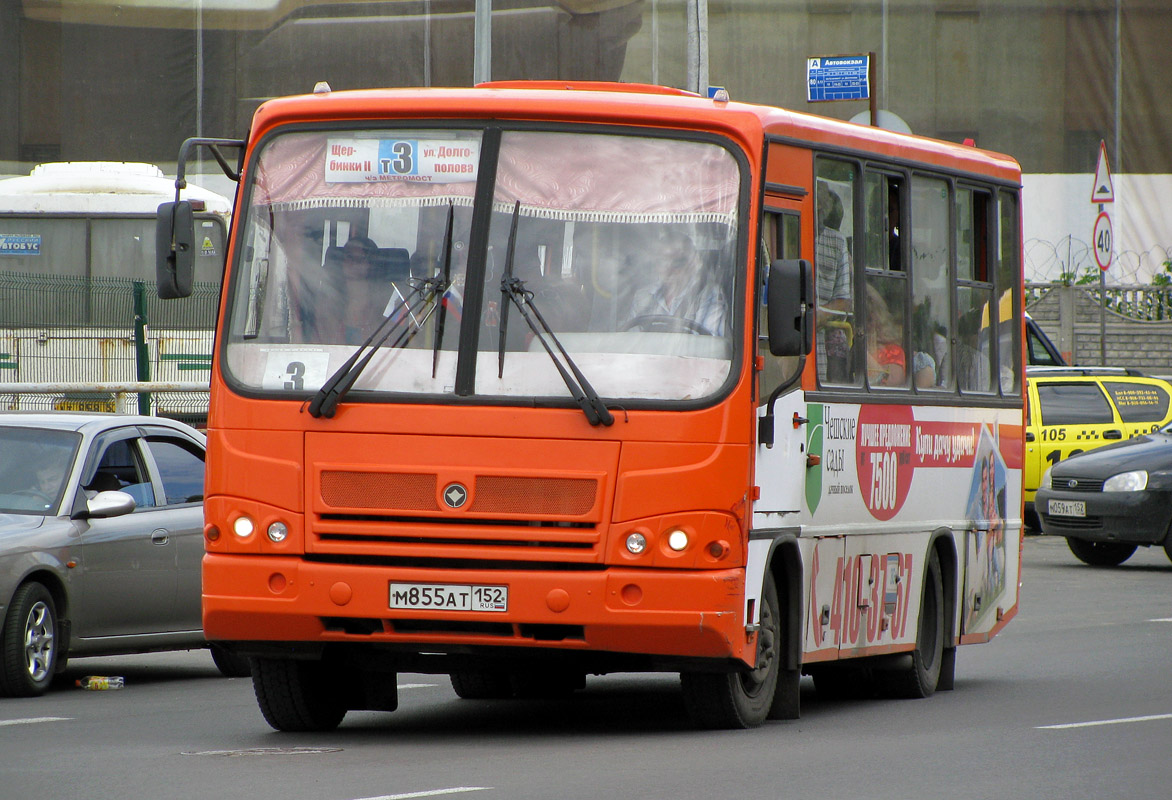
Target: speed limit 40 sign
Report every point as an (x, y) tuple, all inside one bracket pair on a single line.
[(1104, 239)]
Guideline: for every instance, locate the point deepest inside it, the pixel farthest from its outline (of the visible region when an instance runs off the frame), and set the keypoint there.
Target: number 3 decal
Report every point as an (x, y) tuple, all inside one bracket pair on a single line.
[(296, 373)]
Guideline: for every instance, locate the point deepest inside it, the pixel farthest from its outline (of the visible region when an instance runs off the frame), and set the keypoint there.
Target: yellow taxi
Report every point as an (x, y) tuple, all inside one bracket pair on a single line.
[(1072, 409)]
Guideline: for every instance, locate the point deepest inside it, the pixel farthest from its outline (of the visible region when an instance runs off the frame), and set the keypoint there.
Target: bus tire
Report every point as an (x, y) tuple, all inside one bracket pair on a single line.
[(1100, 554), (297, 695), (740, 699), (28, 643), (228, 663), (482, 684), (919, 677)]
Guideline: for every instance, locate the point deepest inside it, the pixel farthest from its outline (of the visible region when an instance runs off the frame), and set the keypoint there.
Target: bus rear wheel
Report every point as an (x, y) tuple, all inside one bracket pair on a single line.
[(741, 699), (297, 695), (920, 677)]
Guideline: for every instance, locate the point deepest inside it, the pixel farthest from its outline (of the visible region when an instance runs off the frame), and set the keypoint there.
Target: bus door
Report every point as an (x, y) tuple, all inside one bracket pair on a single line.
[(781, 468)]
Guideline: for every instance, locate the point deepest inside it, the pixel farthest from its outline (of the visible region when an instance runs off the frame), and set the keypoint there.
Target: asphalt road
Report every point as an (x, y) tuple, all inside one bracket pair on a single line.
[(1071, 701)]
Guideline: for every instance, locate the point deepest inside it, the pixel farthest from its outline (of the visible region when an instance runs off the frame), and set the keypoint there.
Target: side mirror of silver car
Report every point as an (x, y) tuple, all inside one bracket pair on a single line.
[(110, 504)]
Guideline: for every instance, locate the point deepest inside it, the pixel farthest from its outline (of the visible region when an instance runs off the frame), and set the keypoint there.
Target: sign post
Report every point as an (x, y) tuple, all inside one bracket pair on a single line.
[(1103, 239)]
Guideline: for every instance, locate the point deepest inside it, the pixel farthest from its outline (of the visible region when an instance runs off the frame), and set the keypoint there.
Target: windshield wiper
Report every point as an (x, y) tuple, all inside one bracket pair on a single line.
[(443, 310), (513, 289), (399, 317)]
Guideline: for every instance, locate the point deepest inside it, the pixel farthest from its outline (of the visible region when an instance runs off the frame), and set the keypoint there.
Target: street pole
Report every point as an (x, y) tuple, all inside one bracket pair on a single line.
[(482, 44), (698, 46)]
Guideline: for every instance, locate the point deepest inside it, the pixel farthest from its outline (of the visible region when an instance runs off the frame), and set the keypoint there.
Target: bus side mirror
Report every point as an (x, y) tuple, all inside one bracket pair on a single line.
[(175, 250), (789, 296)]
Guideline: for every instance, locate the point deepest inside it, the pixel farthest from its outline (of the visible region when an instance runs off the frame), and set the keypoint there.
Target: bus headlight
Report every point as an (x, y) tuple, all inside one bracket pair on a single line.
[(243, 527), (636, 543), (677, 540)]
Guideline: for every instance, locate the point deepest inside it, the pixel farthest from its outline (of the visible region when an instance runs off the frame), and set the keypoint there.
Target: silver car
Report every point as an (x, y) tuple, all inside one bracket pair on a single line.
[(101, 541)]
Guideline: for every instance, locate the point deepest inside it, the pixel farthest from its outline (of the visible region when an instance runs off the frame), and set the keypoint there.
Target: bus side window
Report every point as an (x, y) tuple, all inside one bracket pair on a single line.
[(931, 250), (836, 337), (974, 292), (1008, 272), (781, 237), (884, 197)]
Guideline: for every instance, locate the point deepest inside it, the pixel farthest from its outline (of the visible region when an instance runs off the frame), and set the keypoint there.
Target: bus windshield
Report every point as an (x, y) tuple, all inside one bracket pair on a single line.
[(624, 245)]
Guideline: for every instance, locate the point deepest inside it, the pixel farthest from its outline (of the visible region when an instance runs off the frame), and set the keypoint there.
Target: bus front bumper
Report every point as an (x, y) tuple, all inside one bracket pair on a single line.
[(673, 613)]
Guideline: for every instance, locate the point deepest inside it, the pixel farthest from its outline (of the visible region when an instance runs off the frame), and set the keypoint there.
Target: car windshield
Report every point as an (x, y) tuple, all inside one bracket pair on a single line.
[(34, 464), (625, 245)]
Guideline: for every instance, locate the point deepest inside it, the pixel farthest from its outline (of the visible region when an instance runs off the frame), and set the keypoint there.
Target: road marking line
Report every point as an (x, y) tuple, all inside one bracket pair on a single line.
[(431, 793), (1120, 721), (31, 720), (1165, 619), (418, 685)]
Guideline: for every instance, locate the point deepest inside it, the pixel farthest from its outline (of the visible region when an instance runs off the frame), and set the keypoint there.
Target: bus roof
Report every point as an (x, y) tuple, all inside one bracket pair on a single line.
[(631, 104), (98, 187)]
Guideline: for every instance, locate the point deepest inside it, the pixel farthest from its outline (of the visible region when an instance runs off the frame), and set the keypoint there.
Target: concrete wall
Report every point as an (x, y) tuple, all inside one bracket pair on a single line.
[(1070, 316)]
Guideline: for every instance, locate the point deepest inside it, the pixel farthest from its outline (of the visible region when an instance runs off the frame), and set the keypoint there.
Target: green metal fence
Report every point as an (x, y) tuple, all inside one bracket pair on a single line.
[(59, 329)]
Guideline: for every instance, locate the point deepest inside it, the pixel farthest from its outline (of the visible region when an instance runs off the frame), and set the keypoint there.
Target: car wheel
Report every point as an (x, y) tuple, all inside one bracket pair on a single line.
[(920, 677), (29, 643), (297, 695), (740, 699), (228, 663), (482, 684), (1100, 554)]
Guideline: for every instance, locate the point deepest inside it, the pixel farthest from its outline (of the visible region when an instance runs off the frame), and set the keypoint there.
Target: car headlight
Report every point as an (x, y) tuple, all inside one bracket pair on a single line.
[(1044, 483), (1134, 481)]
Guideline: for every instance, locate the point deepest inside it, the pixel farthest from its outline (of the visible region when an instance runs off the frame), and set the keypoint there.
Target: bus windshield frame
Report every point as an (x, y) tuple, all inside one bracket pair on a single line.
[(629, 242)]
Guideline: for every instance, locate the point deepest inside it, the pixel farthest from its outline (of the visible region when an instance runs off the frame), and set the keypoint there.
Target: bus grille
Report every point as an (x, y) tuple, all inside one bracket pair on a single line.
[(394, 492)]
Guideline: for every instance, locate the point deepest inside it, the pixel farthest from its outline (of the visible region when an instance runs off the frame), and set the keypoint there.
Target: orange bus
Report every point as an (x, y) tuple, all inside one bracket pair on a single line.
[(534, 381)]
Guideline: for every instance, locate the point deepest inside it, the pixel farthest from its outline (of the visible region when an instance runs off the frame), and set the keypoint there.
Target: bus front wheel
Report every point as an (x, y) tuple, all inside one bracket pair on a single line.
[(297, 695), (741, 699)]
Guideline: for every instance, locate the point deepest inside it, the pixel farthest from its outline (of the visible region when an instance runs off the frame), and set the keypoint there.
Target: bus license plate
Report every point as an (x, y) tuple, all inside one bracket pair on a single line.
[(449, 597), (1068, 508)]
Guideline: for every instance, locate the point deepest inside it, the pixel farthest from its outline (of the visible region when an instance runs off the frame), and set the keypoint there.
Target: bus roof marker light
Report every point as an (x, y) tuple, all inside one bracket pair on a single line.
[(322, 87)]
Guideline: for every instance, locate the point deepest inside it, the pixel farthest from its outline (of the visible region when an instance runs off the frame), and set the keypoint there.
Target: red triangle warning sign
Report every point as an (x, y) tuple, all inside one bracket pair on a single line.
[(1104, 190)]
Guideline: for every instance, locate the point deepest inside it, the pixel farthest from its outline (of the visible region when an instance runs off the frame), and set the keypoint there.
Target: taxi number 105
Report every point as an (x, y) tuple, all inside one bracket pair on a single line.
[(449, 597)]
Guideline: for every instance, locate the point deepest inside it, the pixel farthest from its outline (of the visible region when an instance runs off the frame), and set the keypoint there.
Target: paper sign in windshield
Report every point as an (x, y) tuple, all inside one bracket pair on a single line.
[(416, 160)]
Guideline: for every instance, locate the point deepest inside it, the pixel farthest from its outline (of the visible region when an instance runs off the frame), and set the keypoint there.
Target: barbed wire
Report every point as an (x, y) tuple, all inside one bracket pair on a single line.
[(1049, 261)]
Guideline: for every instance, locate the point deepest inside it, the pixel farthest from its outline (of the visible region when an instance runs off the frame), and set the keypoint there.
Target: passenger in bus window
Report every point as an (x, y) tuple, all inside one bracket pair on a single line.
[(352, 299), (894, 251), (832, 264), (684, 297), (923, 370), (886, 360)]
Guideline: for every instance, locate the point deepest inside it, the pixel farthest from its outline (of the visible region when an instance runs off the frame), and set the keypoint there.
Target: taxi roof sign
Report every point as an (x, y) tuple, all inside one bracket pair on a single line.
[(1104, 190)]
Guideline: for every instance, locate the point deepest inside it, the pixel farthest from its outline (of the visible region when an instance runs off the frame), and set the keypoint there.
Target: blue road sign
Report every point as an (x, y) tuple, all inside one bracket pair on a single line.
[(837, 78)]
